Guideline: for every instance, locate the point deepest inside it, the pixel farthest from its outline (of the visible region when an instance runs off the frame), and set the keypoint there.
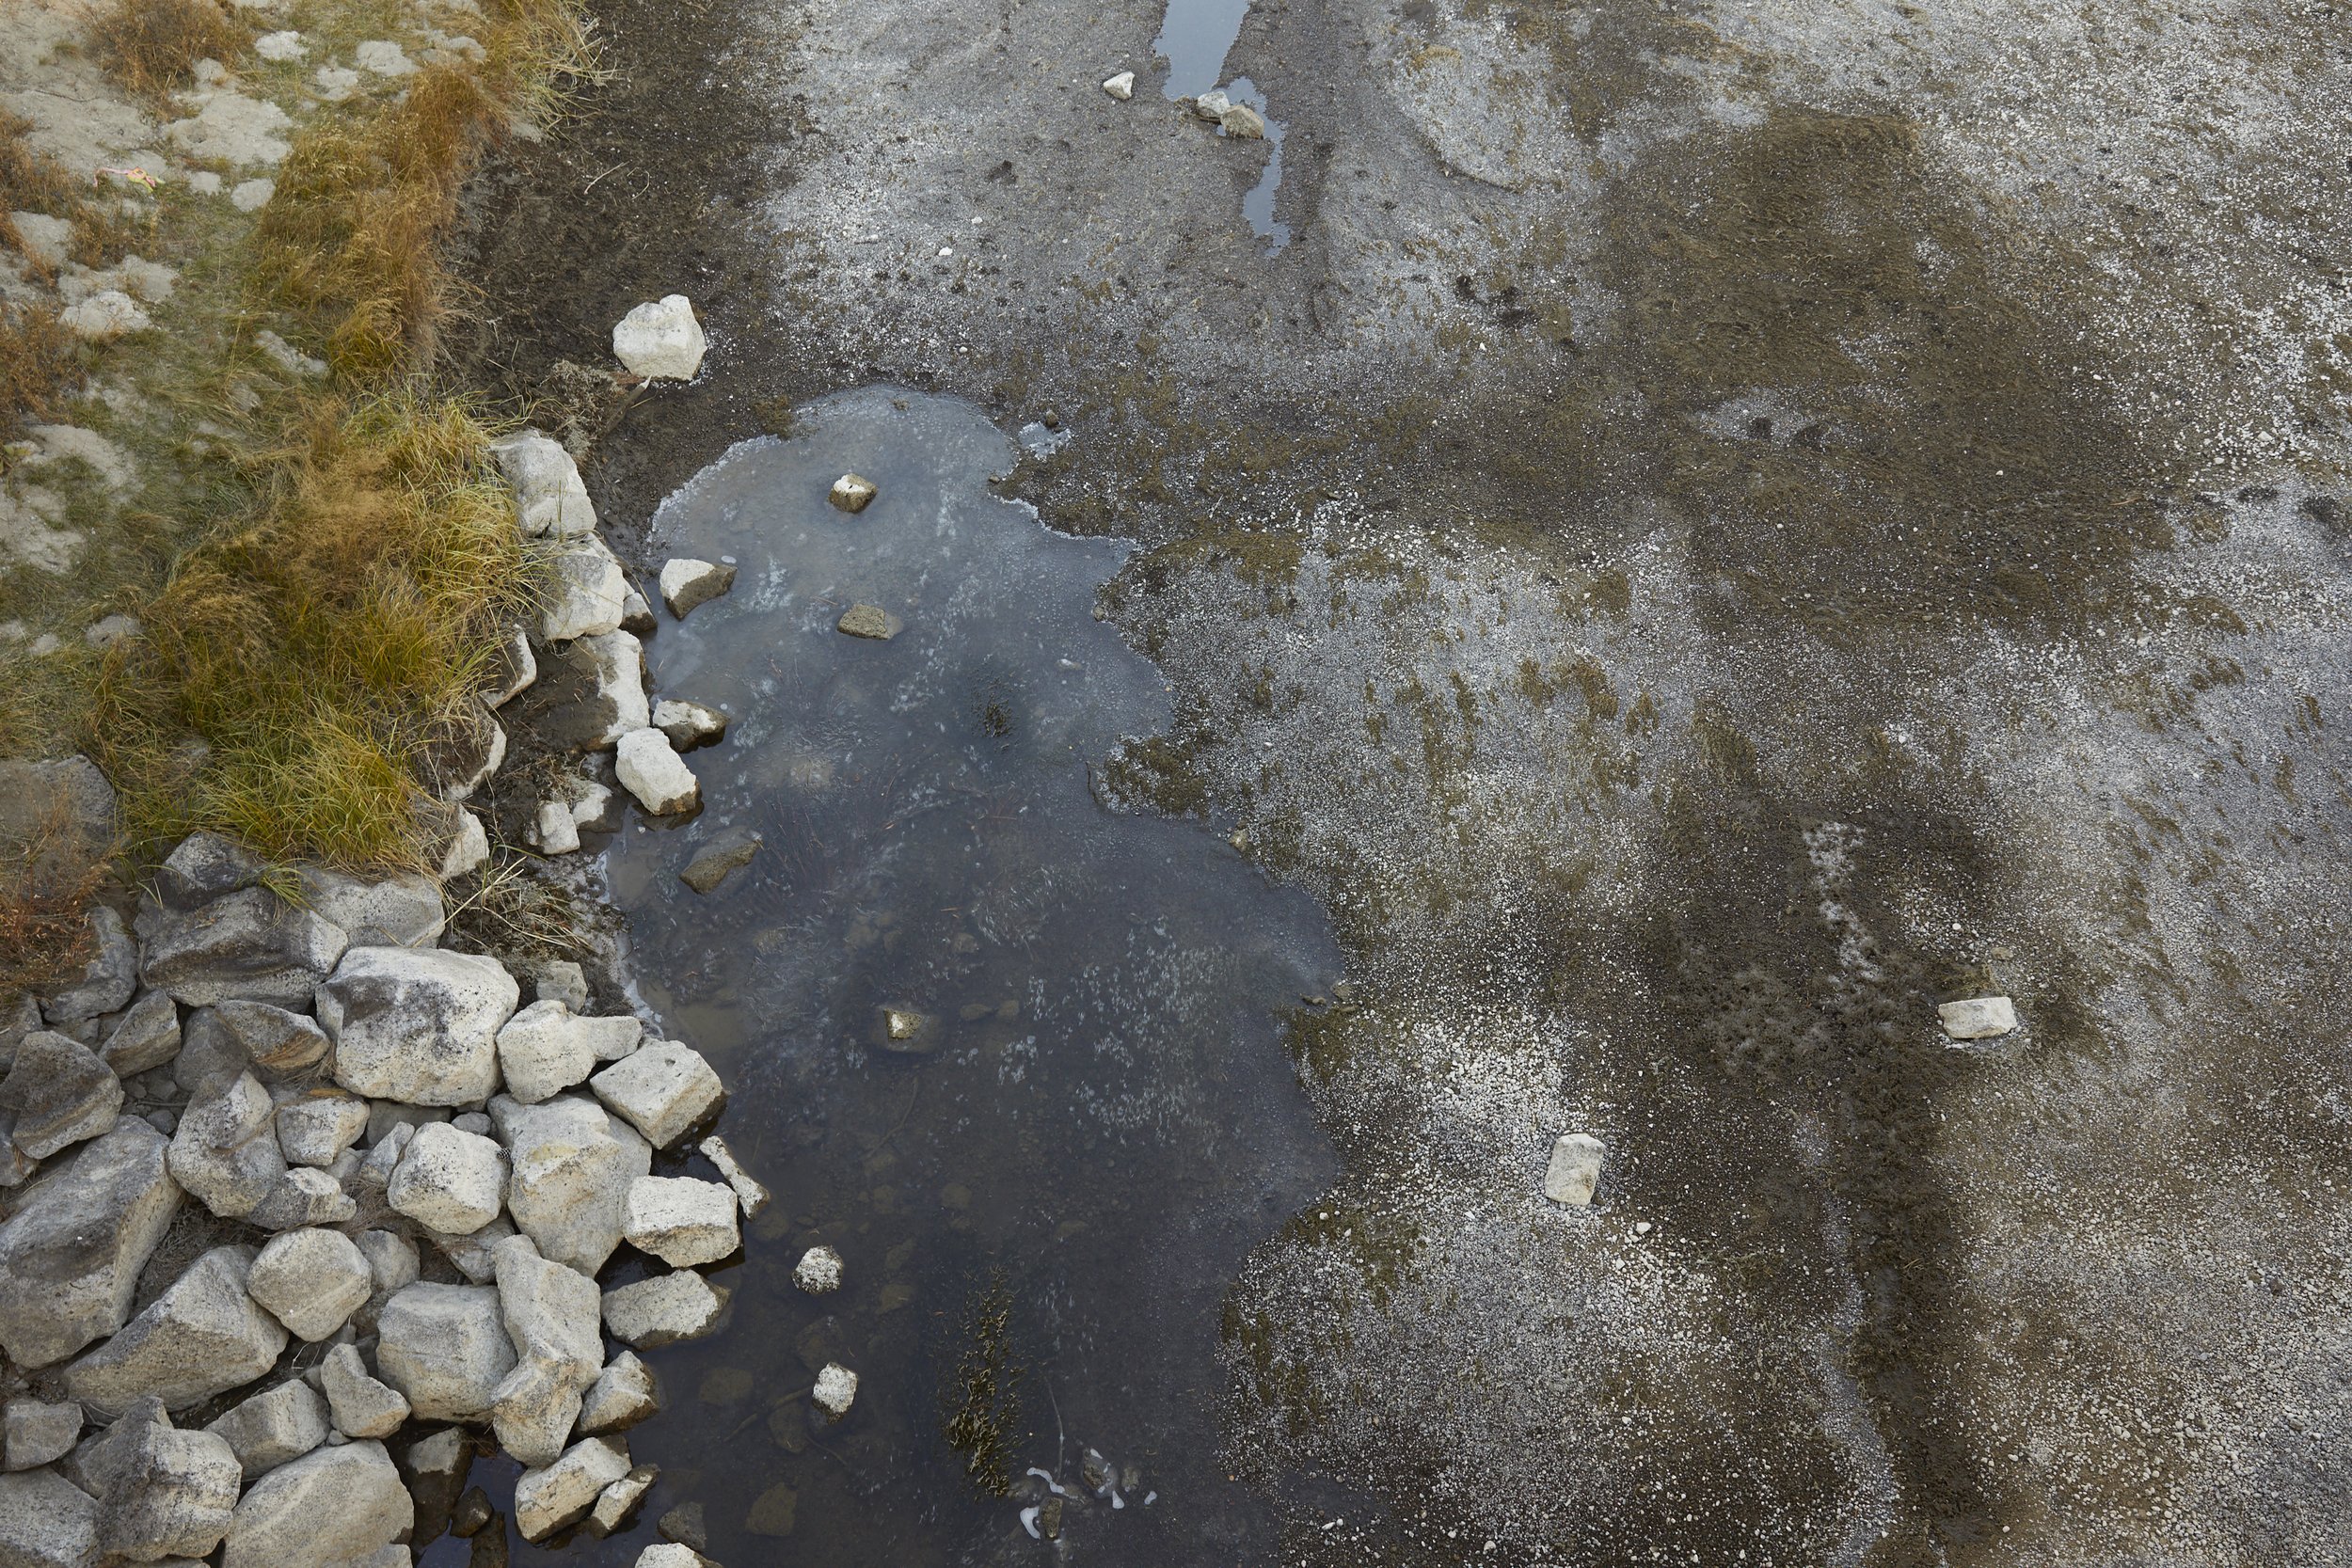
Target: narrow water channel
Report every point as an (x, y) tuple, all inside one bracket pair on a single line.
[(1096, 1114), (1195, 37)]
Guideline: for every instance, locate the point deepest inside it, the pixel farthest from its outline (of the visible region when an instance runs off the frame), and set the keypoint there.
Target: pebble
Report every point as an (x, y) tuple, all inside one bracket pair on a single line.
[(818, 1271), (851, 492), (1122, 87), (870, 620), (835, 1389)]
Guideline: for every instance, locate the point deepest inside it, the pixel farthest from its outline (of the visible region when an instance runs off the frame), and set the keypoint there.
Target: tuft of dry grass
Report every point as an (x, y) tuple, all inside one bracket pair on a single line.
[(151, 46), (316, 650), (39, 361), (47, 880)]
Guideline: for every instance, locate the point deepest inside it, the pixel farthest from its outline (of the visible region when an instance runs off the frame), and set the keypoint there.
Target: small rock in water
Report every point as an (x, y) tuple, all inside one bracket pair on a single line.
[(684, 1524), (650, 770), (1978, 1018), (1242, 120), (1122, 87), (669, 1554), (1575, 1169), (660, 339), (818, 1271), (836, 1390), (681, 1220), (663, 1310), (851, 492), (1211, 104), (728, 853), (689, 724), (905, 1031), (748, 1190), (687, 582), (870, 621)]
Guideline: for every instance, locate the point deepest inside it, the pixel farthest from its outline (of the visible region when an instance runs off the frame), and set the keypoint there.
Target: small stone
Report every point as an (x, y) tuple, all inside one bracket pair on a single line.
[(748, 1190), (619, 1500), (669, 1554), (689, 724), (37, 1431), (314, 1128), (251, 195), (851, 492), (835, 1389), (468, 849), (663, 1090), (636, 614), (1978, 1018), (1240, 119), (435, 1468), (553, 832), (682, 1221), (143, 1038), (818, 1272), (362, 1406), (272, 1428), (303, 1196), (205, 1336), (660, 339), (206, 866), (472, 1514), (384, 57), (1575, 1169), (727, 852), (650, 770), (687, 582), (562, 1494), (392, 1262), (311, 1280), (623, 1394), (449, 1180), (62, 1093), (905, 1031), (1122, 87), (1211, 105), (663, 1310), (516, 672), (870, 620)]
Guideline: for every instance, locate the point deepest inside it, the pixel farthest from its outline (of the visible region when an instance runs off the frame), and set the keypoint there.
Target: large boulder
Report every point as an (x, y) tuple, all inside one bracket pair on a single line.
[(549, 496), (311, 1280), (663, 1088), (203, 1335), (106, 982), (60, 1092), (161, 1492), (449, 1182), (332, 1506), (551, 1314), (71, 1255), (570, 1167), (46, 1522), (273, 1427), (249, 944), (225, 1150), (586, 591), (399, 912), (445, 1348), (417, 1024), (545, 1049)]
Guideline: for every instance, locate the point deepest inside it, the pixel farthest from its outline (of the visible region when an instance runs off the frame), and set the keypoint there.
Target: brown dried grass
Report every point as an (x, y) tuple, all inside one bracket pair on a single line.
[(151, 46)]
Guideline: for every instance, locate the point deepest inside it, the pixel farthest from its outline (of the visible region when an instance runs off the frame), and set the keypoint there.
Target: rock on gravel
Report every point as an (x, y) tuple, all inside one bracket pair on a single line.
[(660, 339), (360, 1404), (34, 1431), (623, 1394), (445, 1348), (680, 1220), (547, 1048), (663, 1310), (205, 1336), (1575, 1169), (417, 1024), (311, 1280), (225, 1150), (60, 1093), (650, 770), (1121, 86), (71, 1255), (453, 1181), (663, 1090), (686, 584), (1978, 1018), (46, 1522), (562, 1494), (333, 1506), (274, 1426), (249, 944), (571, 1163)]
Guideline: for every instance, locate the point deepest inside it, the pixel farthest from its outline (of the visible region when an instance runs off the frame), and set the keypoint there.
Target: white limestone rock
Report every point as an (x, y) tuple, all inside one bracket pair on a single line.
[(687, 723), (70, 1254), (550, 497), (618, 1501), (682, 1221), (225, 1150), (273, 1427), (417, 1024), (553, 832), (361, 1405), (1978, 1018), (402, 910), (205, 1336), (572, 1165), (587, 592), (749, 1192), (445, 1348), (561, 1494), (1575, 1169), (467, 848), (314, 1128), (663, 1310), (162, 1492), (835, 1389), (818, 1272), (617, 661), (106, 316), (332, 1507), (660, 339), (623, 1394), (303, 1196), (663, 1088), (311, 1280), (650, 770), (851, 492), (276, 1040), (452, 1181), (687, 582), (551, 1315), (1121, 86), (545, 1049), (474, 1253)]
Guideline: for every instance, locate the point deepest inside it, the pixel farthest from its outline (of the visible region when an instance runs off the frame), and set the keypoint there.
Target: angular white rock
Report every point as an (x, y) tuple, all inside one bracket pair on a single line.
[(332, 1506), (689, 724), (1575, 1169), (316, 1127), (573, 1163), (36, 1432), (663, 1088), (225, 1150), (1122, 87), (202, 1336), (663, 1310), (303, 1196), (551, 1315), (561, 1494), (818, 1271), (748, 1190), (1978, 1018), (362, 1406), (616, 1502), (836, 1388), (70, 1254), (587, 592), (687, 582), (311, 1280), (553, 832), (680, 1220), (417, 1024), (445, 1348), (549, 498), (452, 1181), (545, 1049), (46, 1521), (660, 339), (273, 1427), (623, 1394), (106, 316), (651, 771)]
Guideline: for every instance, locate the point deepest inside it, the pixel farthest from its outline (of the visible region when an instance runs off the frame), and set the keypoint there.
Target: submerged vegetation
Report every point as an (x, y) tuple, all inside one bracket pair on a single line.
[(981, 1398)]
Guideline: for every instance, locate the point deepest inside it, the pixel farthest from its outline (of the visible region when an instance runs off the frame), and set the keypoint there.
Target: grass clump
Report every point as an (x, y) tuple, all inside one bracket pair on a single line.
[(294, 667), (151, 46), (48, 878), (38, 362)]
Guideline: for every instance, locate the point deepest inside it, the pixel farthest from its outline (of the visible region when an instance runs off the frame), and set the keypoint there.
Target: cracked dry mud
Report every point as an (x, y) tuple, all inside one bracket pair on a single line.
[(1726, 524)]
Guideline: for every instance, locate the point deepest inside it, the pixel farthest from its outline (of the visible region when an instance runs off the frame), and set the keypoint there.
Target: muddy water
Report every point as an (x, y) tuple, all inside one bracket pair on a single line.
[(1195, 37), (1098, 1114)]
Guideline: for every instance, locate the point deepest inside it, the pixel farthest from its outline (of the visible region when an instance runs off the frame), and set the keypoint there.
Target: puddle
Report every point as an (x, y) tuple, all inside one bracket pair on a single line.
[(1195, 37), (1099, 1111)]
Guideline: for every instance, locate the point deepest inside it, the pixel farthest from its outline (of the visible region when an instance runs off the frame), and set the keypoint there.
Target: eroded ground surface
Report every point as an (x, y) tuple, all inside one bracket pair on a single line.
[(1724, 526)]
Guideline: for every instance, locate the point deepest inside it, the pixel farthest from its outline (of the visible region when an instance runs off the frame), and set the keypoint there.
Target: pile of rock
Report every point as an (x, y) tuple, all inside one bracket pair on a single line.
[(591, 623), (394, 1184)]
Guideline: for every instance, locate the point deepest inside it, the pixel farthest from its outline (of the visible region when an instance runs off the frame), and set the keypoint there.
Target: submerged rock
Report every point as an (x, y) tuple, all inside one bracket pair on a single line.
[(870, 620), (818, 1271), (835, 1389), (725, 854)]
